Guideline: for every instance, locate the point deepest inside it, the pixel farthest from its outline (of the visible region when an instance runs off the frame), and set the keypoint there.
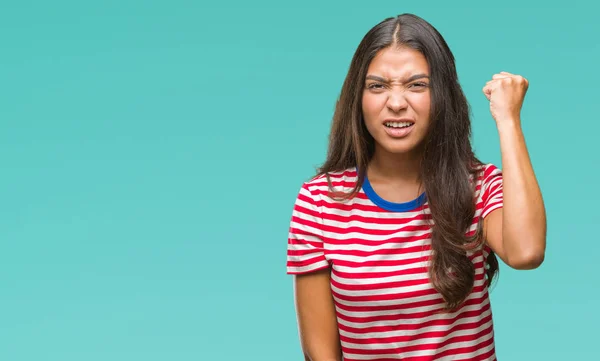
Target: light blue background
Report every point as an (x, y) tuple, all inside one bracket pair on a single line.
[(151, 153)]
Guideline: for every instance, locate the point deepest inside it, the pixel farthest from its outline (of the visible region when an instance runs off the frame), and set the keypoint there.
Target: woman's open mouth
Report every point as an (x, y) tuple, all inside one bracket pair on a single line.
[(398, 129)]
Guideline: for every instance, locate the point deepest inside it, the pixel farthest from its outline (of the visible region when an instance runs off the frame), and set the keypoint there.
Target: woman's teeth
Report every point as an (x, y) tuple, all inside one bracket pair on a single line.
[(398, 124)]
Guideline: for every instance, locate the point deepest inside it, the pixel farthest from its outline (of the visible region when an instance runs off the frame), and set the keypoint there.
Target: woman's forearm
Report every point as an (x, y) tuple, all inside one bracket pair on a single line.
[(524, 216)]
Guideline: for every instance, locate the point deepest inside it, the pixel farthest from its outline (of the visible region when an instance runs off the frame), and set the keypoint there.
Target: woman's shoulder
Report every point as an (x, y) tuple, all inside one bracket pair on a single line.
[(324, 185), (486, 166), (338, 178), (483, 171), (486, 176)]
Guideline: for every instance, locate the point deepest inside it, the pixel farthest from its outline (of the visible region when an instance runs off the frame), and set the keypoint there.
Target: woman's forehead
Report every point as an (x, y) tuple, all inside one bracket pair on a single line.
[(398, 64)]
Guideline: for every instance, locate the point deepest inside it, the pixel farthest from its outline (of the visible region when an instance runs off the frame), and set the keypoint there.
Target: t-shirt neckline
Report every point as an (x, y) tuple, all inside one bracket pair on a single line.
[(392, 206)]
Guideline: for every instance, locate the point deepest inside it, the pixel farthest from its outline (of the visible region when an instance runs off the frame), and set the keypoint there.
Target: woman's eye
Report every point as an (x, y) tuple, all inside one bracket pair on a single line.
[(418, 85), (375, 86)]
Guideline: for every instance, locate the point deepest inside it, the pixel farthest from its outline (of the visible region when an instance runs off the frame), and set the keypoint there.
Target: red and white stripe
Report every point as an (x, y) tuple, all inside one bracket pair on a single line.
[(387, 308)]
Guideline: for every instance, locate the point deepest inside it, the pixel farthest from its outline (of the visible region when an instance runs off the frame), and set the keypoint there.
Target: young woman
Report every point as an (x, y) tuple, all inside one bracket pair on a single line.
[(393, 243)]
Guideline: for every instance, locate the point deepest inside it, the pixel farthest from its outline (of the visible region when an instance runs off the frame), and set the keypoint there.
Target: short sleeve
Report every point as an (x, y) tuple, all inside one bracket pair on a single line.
[(305, 251), (492, 197)]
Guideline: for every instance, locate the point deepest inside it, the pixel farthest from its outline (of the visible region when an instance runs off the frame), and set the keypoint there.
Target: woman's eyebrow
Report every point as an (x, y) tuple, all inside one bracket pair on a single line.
[(385, 80)]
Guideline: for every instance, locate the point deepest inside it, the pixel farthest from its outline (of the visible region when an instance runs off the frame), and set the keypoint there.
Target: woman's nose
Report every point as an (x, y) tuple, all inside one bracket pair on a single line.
[(396, 101)]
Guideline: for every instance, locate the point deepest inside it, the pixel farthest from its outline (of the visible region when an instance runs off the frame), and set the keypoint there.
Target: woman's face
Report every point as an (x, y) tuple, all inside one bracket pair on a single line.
[(396, 100)]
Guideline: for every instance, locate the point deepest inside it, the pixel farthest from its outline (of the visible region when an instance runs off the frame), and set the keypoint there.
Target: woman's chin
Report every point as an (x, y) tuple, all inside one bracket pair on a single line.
[(399, 149)]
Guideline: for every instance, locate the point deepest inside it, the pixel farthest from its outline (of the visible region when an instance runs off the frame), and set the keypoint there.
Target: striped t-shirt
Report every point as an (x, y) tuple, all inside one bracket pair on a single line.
[(378, 252)]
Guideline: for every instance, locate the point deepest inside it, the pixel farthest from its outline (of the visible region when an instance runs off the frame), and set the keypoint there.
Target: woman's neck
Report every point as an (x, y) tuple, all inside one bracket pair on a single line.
[(396, 168)]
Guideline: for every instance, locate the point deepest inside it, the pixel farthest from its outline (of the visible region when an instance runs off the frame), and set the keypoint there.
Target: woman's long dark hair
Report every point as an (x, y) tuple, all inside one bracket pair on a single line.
[(448, 161)]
